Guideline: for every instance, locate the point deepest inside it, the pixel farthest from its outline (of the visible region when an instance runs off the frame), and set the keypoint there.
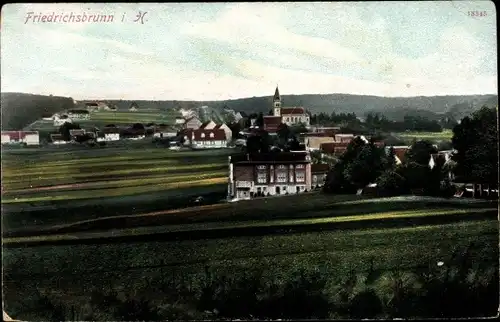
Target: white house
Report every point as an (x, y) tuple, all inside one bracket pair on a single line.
[(180, 120), (57, 139), (108, 135), (21, 137), (205, 139), (60, 120), (79, 114), (164, 132)]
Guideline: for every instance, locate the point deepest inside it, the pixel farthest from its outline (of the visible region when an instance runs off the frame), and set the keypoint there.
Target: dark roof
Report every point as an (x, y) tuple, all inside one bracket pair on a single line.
[(314, 134), (272, 122), (276, 96), (110, 130), (293, 111), (202, 126), (78, 111), (75, 132), (91, 104), (277, 157), (320, 168), (333, 147), (56, 137)]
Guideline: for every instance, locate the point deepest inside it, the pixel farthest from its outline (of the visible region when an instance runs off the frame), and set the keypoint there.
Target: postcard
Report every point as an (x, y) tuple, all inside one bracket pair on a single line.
[(249, 161)]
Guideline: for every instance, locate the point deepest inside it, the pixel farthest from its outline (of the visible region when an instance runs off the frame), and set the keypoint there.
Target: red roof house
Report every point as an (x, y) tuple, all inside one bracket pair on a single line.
[(272, 123)]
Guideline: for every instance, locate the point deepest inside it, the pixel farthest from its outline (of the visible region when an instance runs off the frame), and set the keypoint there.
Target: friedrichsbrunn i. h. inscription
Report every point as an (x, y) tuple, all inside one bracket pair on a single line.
[(216, 161)]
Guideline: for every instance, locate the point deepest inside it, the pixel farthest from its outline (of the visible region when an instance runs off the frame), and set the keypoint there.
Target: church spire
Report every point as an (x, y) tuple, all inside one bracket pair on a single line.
[(277, 96)]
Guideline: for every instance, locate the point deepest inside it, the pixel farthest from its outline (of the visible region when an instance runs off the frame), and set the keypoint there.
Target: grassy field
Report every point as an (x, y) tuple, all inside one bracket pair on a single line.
[(56, 184), (445, 135), (175, 272), (119, 118), (35, 175)]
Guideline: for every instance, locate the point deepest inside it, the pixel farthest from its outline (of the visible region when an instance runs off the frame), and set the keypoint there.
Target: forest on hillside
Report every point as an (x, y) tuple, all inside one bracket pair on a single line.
[(394, 108), (19, 109)]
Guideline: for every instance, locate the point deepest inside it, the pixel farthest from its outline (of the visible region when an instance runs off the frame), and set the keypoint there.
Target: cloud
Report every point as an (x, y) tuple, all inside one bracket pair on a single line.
[(221, 51)]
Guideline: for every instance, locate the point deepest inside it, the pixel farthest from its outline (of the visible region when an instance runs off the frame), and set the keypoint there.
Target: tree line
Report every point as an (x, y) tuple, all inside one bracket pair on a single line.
[(475, 140)]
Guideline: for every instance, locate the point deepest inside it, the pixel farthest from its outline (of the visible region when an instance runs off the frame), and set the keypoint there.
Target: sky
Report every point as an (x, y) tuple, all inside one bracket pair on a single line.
[(218, 51)]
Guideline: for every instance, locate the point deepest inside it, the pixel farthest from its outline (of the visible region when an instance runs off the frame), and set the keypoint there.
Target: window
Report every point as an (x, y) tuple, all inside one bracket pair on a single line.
[(211, 134), (299, 166), (300, 177), (281, 166), (261, 178), (202, 135), (261, 167), (291, 166), (281, 177)]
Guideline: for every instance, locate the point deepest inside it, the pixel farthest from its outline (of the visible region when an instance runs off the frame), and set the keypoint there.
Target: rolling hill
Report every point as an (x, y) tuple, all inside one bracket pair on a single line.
[(19, 109)]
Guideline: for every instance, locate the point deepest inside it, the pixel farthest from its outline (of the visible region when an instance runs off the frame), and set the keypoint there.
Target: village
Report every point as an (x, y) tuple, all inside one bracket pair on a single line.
[(297, 158)]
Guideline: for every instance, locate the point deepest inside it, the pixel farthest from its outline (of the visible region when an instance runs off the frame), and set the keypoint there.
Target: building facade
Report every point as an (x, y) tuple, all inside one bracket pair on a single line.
[(268, 174), (289, 115), (205, 139), (318, 173), (79, 114)]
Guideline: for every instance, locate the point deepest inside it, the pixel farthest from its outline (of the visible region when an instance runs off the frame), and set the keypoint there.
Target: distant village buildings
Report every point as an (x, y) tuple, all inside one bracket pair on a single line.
[(21, 137), (205, 138), (286, 115), (269, 174), (79, 114)]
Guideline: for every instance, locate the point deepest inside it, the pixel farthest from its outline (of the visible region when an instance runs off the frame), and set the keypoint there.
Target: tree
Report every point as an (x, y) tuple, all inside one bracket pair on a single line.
[(260, 120), (420, 152), (391, 159), (64, 130), (258, 143), (366, 166), (283, 132), (476, 142), (138, 126), (235, 129), (293, 144), (336, 182), (391, 183), (416, 166)]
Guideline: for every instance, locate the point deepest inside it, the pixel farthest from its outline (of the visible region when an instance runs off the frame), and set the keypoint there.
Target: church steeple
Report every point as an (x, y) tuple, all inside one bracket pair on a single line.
[(277, 96), (277, 102)]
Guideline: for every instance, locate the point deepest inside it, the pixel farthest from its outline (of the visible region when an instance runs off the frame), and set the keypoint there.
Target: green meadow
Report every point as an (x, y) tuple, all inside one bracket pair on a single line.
[(33, 175), (118, 118), (176, 277), (445, 135)]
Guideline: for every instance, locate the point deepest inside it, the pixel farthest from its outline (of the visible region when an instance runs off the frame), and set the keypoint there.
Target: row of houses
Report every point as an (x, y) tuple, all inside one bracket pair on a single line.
[(269, 174)]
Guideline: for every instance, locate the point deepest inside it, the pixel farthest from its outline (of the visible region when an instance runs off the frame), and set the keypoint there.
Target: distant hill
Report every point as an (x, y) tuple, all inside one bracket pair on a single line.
[(395, 108), (19, 109)]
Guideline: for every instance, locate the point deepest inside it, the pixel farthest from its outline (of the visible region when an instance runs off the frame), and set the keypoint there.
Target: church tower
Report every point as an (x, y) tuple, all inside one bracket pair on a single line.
[(277, 102)]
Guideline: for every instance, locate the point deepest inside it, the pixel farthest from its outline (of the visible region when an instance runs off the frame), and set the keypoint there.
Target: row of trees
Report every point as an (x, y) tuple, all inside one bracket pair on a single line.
[(376, 121)]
